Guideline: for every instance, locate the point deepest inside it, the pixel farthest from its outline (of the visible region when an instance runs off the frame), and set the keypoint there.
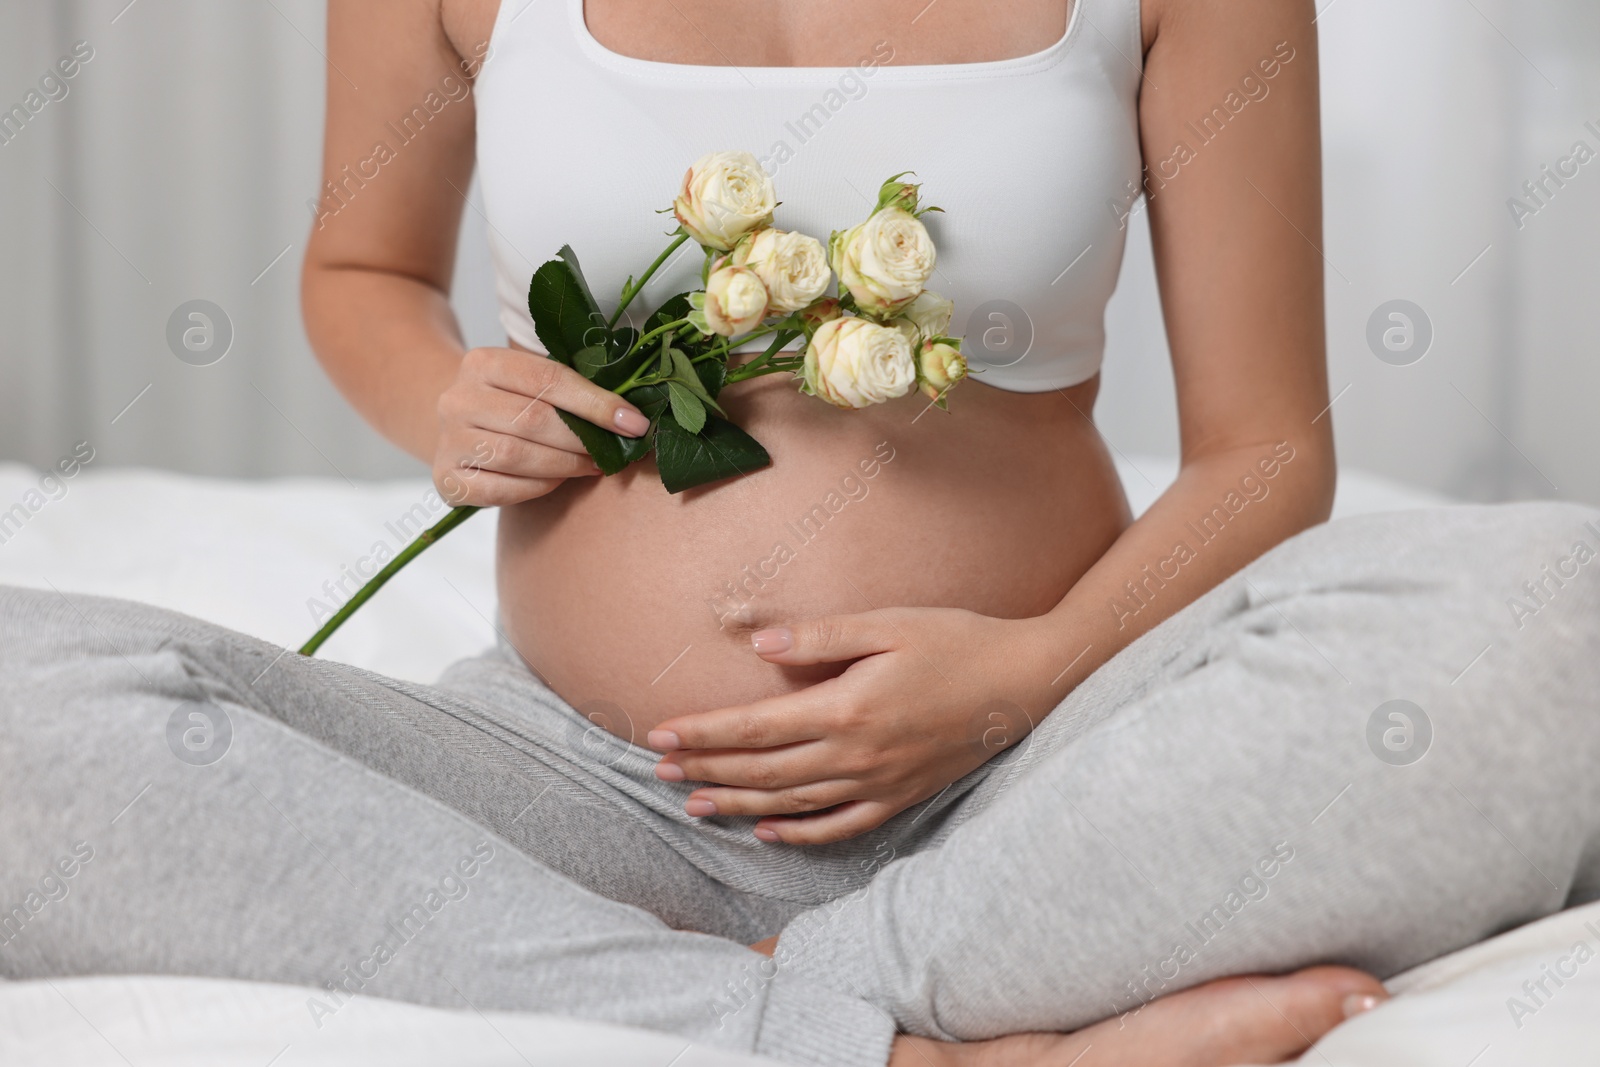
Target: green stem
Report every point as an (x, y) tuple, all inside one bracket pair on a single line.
[(633, 290), (427, 537), (766, 362), (642, 376), (657, 332), (759, 331), (735, 377)]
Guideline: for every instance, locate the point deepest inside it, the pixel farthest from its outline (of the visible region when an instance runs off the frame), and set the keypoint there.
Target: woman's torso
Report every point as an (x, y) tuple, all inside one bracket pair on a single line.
[(638, 604)]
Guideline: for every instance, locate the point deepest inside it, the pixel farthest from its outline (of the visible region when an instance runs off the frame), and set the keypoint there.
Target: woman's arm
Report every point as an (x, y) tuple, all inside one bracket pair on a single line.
[(397, 161), (1237, 232)]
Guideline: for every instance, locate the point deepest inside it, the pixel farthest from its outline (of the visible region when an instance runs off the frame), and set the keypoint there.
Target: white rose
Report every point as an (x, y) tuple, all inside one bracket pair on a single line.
[(940, 366), (930, 313), (736, 301), (885, 261), (908, 331), (724, 196), (926, 317), (792, 266), (854, 362)]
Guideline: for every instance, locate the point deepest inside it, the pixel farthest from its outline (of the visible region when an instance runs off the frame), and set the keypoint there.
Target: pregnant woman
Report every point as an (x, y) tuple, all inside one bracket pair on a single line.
[(977, 760)]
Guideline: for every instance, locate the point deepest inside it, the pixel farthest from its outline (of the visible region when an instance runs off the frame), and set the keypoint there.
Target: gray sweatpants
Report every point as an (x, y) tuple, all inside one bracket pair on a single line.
[(1372, 746)]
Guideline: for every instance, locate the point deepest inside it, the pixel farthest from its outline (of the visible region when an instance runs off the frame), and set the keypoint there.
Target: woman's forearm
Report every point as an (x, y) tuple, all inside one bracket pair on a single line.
[(1225, 509), (389, 342)]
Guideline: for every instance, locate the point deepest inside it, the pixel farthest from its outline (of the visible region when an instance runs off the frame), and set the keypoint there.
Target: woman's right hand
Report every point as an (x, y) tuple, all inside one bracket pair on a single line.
[(500, 438)]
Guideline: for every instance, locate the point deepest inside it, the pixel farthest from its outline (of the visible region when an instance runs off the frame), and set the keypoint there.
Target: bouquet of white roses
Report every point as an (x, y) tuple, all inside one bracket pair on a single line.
[(881, 335)]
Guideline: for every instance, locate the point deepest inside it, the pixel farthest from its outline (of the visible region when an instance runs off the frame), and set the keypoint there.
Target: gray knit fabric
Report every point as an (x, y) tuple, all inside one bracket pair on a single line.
[(1215, 799), (1236, 793)]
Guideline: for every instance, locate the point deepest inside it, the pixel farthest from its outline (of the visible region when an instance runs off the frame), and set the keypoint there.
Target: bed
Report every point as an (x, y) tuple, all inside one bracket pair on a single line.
[(268, 558)]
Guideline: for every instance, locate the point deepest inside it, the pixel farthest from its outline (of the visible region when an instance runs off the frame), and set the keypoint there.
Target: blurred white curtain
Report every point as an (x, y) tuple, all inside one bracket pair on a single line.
[(178, 167), (1434, 114)]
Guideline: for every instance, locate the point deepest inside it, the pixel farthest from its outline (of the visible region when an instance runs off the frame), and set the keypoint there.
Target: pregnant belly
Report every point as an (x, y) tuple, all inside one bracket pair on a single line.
[(636, 606)]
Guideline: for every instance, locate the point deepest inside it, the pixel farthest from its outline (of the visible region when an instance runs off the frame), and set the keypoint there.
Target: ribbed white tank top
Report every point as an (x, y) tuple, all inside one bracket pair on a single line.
[(1034, 159)]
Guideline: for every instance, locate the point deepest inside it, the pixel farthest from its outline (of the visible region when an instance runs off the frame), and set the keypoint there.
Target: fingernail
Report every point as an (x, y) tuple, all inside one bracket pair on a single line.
[(669, 772), (631, 422), (770, 836), (1356, 1003), (698, 807), (778, 640), (663, 740)]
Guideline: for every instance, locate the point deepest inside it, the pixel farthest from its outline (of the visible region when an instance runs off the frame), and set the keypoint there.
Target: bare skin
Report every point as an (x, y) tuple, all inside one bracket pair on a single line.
[(877, 636), (1252, 1019), (798, 704)]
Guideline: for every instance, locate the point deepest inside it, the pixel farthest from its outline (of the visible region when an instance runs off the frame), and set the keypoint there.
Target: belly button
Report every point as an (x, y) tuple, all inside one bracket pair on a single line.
[(740, 619)]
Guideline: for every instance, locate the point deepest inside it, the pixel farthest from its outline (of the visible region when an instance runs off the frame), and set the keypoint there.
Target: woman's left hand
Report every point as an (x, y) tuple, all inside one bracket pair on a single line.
[(934, 693)]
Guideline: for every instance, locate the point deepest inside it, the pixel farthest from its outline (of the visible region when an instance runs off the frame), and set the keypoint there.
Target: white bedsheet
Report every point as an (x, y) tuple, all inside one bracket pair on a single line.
[(147, 1021), (251, 555)]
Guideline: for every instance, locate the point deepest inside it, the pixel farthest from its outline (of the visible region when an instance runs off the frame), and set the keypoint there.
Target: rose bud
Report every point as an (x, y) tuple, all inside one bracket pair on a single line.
[(724, 196), (853, 362), (939, 366), (735, 301), (896, 193), (825, 310)]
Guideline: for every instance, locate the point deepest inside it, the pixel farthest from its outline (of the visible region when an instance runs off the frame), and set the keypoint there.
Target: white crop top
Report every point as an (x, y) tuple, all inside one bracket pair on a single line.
[(1035, 161)]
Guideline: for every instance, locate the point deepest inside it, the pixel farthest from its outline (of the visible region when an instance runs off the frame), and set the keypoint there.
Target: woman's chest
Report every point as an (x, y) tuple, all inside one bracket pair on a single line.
[(798, 33)]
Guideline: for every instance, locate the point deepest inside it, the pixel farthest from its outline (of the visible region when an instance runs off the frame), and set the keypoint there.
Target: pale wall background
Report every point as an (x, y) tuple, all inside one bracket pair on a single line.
[(179, 164)]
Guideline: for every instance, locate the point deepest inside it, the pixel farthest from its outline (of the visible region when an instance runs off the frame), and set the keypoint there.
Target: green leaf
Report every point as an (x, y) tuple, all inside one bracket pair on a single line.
[(619, 367), (650, 399), (685, 374), (636, 448), (590, 360), (720, 450), (683, 370), (603, 445), (565, 316), (713, 374), (686, 408), (674, 309), (622, 339)]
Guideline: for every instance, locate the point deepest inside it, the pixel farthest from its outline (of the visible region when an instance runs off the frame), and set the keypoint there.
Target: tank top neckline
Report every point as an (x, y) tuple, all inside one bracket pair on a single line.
[(602, 56)]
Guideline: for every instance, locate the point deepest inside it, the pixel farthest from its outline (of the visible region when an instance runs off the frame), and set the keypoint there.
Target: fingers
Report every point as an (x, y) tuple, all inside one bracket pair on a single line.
[(487, 489), (505, 454), (845, 821), (492, 470), (812, 796), (478, 406), (780, 720), (766, 768), (827, 639), (542, 378)]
